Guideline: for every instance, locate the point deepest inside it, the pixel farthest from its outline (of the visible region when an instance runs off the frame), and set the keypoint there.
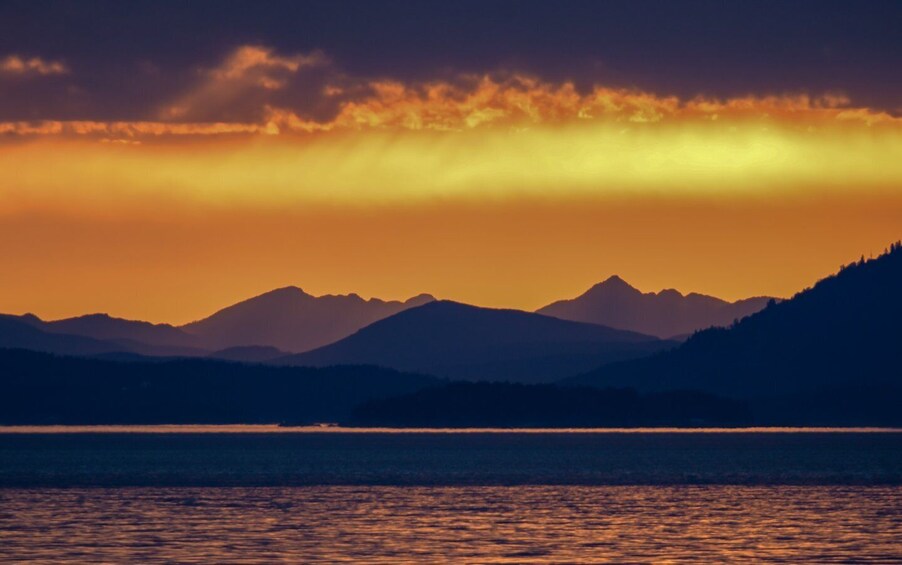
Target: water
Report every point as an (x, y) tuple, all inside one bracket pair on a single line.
[(336, 457), (461, 524), (464, 497)]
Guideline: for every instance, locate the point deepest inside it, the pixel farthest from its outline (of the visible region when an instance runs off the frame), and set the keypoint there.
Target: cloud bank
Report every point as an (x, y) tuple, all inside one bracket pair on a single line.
[(254, 90)]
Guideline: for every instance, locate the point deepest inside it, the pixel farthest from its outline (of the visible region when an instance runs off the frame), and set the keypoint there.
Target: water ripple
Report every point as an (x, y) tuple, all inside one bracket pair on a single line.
[(485, 524)]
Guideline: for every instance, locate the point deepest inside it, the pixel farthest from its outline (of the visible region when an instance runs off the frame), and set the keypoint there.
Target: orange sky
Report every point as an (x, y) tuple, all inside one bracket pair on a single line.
[(185, 264), (501, 193)]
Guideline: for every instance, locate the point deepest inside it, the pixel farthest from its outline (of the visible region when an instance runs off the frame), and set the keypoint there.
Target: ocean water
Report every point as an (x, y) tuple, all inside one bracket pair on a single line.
[(384, 524), (252, 496)]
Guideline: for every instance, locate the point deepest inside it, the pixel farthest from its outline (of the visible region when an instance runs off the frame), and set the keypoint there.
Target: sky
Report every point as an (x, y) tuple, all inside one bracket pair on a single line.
[(161, 160)]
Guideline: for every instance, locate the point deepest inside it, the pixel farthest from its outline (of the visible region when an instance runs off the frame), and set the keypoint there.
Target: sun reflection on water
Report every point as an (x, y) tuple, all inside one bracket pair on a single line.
[(454, 524)]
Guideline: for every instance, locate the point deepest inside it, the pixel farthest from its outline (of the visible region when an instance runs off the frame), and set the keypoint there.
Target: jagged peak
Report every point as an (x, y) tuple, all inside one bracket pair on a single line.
[(94, 316), (103, 317), (614, 282), (671, 292), (291, 289)]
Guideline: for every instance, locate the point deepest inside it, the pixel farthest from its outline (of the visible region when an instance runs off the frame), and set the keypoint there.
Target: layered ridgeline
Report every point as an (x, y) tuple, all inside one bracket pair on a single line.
[(831, 350), (459, 341), (274, 324), (101, 335), (666, 314), (291, 320), (828, 356), (40, 388), (94, 335), (108, 328)]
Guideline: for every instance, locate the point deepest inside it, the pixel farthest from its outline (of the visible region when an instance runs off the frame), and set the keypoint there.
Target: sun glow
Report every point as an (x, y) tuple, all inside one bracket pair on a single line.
[(464, 190), (599, 159)]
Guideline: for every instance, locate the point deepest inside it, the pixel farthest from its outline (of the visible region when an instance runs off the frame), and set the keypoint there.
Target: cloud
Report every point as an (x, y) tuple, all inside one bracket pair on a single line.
[(240, 85), (522, 101), (16, 65), (517, 101), (122, 131), (255, 90), (258, 64)]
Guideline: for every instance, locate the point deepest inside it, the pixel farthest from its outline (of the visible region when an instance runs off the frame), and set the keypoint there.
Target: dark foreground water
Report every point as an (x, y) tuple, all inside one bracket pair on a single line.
[(460, 497)]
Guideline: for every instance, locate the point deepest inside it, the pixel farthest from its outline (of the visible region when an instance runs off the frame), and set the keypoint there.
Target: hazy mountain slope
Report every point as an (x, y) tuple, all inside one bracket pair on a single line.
[(460, 341), (665, 314), (18, 333), (292, 320), (103, 326), (846, 331), (103, 333), (27, 332)]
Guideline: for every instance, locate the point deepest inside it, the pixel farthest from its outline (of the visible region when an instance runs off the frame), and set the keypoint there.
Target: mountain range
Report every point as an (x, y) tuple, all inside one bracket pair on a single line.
[(666, 314), (829, 355), (22, 332), (288, 320), (274, 324), (459, 341), (292, 320), (843, 335)]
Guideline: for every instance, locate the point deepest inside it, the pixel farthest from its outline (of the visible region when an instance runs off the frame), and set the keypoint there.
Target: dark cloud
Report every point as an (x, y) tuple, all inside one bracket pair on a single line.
[(129, 60)]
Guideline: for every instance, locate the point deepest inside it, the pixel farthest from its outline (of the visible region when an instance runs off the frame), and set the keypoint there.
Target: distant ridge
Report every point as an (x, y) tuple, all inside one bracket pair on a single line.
[(16, 332), (455, 340), (104, 326), (666, 314), (291, 320), (30, 332)]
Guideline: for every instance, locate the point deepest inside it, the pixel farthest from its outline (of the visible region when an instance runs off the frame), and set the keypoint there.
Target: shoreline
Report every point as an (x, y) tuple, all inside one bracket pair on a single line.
[(281, 429)]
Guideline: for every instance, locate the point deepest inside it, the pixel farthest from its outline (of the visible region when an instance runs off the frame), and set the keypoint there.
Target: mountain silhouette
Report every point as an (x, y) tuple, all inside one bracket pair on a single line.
[(96, 333), (30, 332), (134, 336), (454, 340), (21, 332), (292, 320), (844, 334), (667, 314), (40, 388), (103, 326)]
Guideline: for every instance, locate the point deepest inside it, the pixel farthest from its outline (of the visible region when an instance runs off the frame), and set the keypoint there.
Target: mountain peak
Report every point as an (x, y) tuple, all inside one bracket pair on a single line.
[(671, 292), (94, 316), (844, 332), (456, 340), (614, 282), (617, 304), (292, 320), (285, 290)]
